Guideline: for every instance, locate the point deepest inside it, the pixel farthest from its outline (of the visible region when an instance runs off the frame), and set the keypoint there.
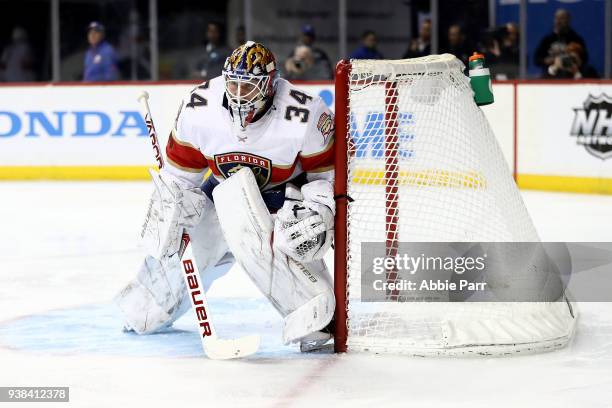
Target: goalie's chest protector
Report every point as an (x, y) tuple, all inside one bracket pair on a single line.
[(271, 146)]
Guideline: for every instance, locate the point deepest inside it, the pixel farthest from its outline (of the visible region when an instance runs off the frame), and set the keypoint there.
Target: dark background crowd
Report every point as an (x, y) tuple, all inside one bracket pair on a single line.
[(95, 48)]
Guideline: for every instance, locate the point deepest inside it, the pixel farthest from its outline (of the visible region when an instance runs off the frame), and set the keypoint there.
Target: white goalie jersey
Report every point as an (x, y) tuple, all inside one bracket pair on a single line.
[(294, 137)]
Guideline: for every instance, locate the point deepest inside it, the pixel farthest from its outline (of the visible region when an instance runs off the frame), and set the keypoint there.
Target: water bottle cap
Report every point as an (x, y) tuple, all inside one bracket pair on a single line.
[(476, 56)]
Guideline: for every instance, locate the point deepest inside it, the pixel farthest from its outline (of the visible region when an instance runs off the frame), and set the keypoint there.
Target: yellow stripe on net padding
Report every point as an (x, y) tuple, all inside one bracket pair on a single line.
[(74, 173), (587, 185), (426, 177)]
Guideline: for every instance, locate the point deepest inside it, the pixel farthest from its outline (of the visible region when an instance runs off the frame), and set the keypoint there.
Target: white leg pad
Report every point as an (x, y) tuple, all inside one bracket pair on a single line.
[(150, 301), (291, 287), (312, 316), (157, 296)]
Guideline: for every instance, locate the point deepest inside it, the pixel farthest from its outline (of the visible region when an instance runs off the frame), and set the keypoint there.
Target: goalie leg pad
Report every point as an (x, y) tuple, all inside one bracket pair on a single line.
[(292, 287), (157, 296), (313, 315), (153, 300)]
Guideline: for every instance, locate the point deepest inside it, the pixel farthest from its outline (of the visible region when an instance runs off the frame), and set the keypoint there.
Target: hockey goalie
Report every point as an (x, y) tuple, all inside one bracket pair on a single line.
[(250, 178)]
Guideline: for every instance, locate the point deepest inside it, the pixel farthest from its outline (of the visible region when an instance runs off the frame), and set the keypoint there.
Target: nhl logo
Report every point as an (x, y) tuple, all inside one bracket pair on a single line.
[(229, 163), (592, 126)]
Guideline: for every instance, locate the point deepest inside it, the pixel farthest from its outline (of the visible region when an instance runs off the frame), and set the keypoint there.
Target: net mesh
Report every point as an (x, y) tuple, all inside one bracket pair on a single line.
[(424, 165)]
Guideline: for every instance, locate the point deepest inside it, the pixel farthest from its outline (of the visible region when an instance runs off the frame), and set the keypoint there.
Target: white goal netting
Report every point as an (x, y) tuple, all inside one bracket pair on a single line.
[(424, 166)]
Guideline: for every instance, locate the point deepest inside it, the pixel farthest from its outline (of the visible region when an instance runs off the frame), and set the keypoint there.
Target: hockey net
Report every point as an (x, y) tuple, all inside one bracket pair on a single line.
[(418, 162)]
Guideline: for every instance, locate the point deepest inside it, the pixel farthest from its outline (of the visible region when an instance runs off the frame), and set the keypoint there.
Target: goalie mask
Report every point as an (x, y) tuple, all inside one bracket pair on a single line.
[(250, 77)]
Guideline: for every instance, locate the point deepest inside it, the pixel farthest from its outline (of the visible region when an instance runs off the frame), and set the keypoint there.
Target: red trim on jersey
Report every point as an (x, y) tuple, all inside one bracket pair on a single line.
[(184, 155), (318, 161), (282, 174), (213, 167)]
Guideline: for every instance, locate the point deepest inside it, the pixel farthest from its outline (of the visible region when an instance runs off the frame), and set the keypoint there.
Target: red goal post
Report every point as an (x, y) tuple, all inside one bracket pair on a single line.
[(391, 180), (343, 69)]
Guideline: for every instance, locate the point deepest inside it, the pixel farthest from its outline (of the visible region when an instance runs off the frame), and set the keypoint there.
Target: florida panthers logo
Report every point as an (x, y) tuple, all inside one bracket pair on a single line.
[(229, 164)]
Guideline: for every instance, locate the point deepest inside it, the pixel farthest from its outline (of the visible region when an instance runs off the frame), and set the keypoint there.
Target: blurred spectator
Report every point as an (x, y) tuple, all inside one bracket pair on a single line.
[(421, 46), (501, 50), (368, 47), (133, 50), (100, 58), (16, 63), (303, 64), (571, 64), (553, 45), (457, 44), (321, 66), (215, 53), (240, 36)]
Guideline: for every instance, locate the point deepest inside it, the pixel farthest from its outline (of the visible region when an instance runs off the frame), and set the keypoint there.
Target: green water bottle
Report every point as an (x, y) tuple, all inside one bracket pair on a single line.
[(480, 79)]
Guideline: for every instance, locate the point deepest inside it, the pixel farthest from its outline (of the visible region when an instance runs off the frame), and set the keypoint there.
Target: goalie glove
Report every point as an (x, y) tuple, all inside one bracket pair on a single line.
[(304, 226), (171, 210)]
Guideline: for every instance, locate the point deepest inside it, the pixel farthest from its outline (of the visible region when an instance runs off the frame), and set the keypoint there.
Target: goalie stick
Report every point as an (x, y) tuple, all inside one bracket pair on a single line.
[(214, 347)]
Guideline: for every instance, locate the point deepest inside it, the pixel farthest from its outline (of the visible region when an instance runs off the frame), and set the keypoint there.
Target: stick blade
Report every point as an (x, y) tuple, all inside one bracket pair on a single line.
[(225, 349)]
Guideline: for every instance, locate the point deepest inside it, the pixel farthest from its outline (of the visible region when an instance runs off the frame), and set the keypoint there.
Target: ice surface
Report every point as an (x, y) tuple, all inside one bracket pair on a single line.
[(67, 248)]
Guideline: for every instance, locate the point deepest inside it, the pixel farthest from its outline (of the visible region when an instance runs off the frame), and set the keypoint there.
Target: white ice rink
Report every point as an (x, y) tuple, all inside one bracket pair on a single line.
[(67, 248)]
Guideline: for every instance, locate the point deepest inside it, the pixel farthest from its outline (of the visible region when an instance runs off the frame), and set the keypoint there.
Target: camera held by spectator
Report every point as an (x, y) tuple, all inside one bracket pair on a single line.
[(570, 64), (551, 48), (319, 65), (301, 65)]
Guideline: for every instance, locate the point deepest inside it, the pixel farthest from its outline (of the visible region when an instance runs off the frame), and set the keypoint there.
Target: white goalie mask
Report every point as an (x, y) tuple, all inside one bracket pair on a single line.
[(250, 78)]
